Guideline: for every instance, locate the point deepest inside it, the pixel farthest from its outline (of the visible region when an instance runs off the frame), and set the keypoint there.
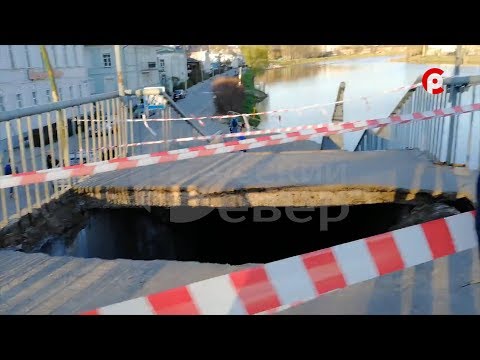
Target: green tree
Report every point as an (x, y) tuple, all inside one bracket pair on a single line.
[(256, 56)]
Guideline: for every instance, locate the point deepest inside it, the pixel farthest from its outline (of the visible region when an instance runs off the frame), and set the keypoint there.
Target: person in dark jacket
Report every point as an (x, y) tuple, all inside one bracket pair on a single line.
[(8, 171), (50, 166), (50, 162), (234, 126), (242, 137)]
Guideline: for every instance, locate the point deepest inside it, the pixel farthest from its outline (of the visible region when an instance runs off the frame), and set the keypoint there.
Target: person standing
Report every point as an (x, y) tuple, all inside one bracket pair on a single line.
[(50, 162), (8, 171), (242, 137), (50, 166), (234, 126)]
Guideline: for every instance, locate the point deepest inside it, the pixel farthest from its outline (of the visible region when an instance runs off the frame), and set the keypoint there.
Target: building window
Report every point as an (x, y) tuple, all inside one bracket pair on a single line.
[(19, 101), (107, 60), (161, 64), (75, 55), (47, 94), (55, 59), (80, 91), (71, 92), (63, 51), (27, 53), (152, 65), (10, 55), (34, 98), (71, 55), (2, 104)]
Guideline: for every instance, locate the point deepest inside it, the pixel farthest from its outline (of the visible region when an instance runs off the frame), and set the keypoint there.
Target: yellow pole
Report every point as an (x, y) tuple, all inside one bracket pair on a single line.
[(60, 123)]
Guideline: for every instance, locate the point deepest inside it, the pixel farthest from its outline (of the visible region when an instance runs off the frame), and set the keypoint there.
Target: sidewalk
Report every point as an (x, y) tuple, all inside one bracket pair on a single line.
[(200, 96)]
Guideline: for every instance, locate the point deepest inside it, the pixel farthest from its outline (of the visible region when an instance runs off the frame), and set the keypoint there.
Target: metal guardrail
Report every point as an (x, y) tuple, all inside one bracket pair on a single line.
[(451, 140), (33, 110), (33, 139), (29, 137)]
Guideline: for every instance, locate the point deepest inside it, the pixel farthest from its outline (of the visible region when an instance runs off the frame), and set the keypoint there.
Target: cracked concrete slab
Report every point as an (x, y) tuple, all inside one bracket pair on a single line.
[(291, 178), (42, 284)]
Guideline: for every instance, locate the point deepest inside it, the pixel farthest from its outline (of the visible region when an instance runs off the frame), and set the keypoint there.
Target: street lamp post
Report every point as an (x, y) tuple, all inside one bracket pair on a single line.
[(124, 63), (452, 133), (458, 59), (171, 75), (118, 66)]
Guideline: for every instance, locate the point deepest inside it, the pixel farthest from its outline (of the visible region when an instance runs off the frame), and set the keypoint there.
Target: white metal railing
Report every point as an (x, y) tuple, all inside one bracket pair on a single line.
[(53, 139), (95, 131), (452, 140)]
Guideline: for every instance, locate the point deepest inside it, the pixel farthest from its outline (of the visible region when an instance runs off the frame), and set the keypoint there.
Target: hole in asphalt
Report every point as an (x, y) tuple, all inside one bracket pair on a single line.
[(232, 236)]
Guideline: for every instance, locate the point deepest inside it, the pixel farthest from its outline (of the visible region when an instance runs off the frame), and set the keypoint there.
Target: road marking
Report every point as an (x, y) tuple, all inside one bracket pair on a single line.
[(475, 276), (440, 286), (407, 286)]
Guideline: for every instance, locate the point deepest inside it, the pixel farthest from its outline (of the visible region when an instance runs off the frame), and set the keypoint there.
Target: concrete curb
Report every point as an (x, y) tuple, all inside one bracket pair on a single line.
[(285, 283)]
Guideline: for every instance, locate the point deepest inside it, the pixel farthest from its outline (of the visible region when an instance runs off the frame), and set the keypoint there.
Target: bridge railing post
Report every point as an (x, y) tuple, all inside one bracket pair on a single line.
[(470, 131), (451, 127)]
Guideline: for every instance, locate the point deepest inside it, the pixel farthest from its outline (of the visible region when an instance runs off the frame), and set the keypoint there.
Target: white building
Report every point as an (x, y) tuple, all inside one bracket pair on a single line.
[(234, 59), (236, 62), (172, 66), (143, 65), (204, 58), (24, 81), (139, 67), (215, 57)]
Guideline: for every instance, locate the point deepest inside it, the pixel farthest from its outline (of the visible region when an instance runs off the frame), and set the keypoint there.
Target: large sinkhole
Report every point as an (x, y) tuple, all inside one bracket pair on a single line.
[(225, 236)]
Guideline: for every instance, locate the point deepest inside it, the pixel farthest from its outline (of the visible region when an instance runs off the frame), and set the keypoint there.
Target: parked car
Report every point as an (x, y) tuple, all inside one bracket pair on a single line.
[(179, 94)]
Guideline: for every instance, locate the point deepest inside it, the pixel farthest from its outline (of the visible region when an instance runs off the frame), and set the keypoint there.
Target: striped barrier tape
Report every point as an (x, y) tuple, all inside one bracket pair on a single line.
[(278, 111), (40, 176), (222, 136), (285, 283)]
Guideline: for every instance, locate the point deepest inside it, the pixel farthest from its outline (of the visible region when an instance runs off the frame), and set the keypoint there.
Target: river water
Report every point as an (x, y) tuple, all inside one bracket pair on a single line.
[(303, 85)]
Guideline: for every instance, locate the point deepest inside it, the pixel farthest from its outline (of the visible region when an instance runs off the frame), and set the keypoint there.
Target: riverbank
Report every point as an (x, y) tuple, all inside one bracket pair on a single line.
[(281, 63), (248, 82), (439, 59)]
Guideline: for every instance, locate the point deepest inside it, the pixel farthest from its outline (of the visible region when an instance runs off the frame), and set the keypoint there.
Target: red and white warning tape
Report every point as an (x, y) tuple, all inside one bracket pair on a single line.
[(281, 284), (299, 109), (40, 176), (222, 136)]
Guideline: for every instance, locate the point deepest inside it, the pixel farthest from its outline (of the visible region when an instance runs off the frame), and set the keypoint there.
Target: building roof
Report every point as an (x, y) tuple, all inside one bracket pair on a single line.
[(170, 49)]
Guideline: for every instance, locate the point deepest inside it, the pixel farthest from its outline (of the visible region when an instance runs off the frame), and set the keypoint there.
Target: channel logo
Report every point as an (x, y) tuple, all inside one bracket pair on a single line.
[(432, 81)]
